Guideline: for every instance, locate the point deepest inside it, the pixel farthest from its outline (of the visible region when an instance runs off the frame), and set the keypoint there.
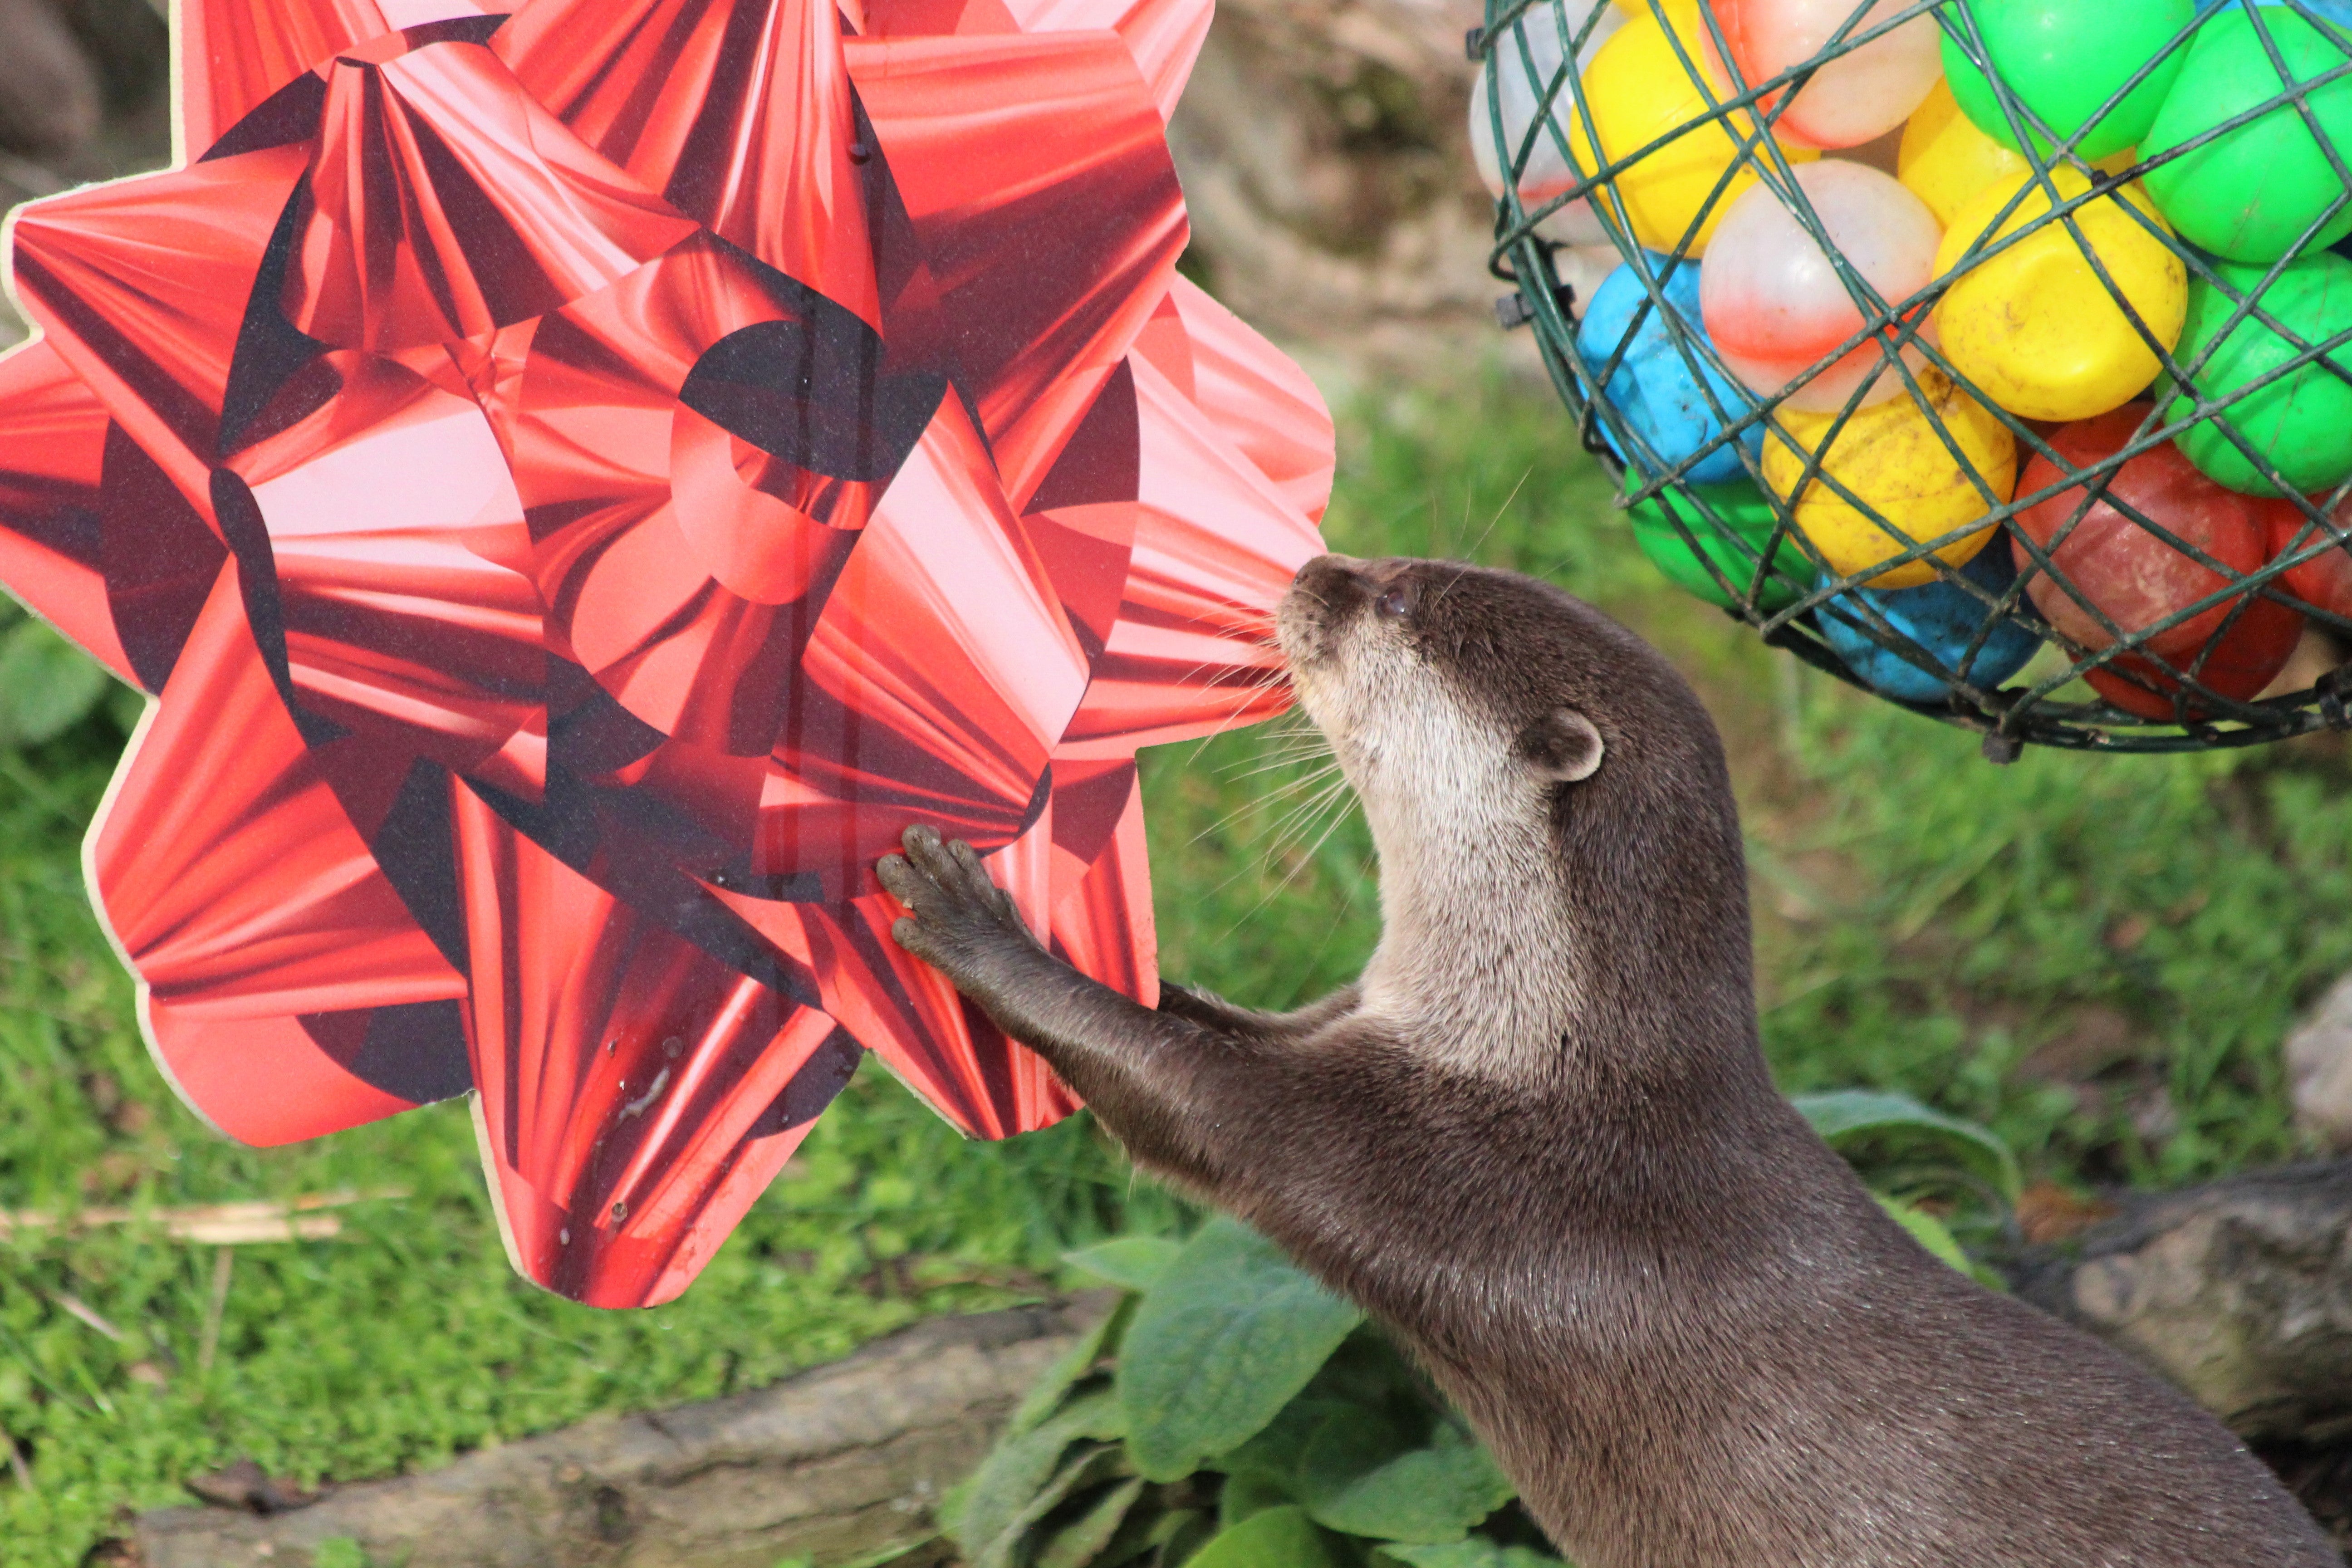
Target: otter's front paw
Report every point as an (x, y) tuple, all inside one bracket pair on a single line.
[(960, 923)]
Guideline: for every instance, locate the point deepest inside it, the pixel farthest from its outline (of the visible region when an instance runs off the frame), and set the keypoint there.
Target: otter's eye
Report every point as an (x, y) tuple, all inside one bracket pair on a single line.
[(1396, 605)]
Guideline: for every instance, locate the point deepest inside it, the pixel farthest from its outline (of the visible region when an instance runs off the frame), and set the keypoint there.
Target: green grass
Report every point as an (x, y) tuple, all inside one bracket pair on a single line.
[(1927, 922), (407, 1340)]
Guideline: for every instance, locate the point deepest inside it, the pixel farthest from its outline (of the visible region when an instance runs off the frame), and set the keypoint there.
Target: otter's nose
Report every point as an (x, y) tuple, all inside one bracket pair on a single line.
[(1320, 577)]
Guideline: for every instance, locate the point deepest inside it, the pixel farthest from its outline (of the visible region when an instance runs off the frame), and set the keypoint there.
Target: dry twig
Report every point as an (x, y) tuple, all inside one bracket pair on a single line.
[(212, 1224)]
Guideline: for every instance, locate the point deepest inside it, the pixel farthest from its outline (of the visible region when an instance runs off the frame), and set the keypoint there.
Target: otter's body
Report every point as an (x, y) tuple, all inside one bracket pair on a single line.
[(1538, 1140)]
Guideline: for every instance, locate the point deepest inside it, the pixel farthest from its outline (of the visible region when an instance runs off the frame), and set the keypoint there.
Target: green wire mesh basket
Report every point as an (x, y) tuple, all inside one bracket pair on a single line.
[(2081, 476)]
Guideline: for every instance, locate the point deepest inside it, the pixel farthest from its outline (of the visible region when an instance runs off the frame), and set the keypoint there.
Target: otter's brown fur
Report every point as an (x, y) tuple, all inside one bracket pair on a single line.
[(1539, 1143)]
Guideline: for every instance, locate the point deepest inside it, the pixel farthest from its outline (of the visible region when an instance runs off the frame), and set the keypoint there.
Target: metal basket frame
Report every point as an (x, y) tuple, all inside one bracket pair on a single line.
[(2013, 715)]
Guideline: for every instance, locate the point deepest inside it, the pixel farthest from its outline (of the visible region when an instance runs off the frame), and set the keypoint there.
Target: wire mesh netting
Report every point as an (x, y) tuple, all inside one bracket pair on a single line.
[(1988, 354)]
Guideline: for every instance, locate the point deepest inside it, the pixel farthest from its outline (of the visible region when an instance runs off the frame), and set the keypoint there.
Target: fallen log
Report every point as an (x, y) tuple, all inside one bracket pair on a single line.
[(835, 1465), (2241, 1292)]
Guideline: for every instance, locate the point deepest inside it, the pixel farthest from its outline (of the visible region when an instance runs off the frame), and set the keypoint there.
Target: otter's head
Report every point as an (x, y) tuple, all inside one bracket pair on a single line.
[(1535, 777)]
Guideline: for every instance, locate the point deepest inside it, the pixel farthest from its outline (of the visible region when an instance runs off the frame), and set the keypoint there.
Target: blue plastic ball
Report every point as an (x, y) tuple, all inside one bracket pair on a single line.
[(1942, 618), (2338, 12), (1653, 389)]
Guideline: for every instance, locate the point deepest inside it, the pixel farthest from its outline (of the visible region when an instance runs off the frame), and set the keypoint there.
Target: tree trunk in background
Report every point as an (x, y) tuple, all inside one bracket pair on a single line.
[(1325, 152), (1323, 147)]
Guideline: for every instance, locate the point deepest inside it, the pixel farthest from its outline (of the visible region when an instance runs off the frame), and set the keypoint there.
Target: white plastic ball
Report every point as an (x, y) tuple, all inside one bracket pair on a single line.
[(1856, 98), (1548, 173), (1775, 306)]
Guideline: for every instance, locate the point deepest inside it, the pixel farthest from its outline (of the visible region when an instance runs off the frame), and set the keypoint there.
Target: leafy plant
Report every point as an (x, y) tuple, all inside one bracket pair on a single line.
[(1936, 1174), (47, 685), (1231, 1413)]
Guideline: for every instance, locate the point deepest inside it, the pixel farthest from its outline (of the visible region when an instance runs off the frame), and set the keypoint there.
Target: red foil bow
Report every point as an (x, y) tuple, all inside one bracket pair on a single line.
[(578, 483)]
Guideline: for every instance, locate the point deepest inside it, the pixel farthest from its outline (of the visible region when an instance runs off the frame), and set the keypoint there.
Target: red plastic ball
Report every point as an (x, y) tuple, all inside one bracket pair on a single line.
[(2324, 582), (2137, 579)]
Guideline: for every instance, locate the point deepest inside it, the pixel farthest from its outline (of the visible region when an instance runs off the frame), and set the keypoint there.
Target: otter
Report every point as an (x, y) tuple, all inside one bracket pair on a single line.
[(1538, 1140)]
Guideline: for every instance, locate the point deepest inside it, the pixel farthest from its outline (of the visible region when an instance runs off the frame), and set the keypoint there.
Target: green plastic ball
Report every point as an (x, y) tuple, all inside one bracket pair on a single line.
[(2252, 192), (2064, 59), (1748, 512), (2302, 423)]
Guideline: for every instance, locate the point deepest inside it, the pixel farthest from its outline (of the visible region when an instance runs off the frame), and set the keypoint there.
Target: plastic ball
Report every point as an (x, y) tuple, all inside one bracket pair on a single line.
[(1655, 388), (1945, 620), (1857, 96), (1735, 539), (2033, 326), (2299, 423), (1525, 74), (2064, 60), (2325, 581), (1638, 90), (2251, 193), (2136, 579), (1684, 14), (1945, 159), (2335, 13), (1891, 459), (1775, 306)]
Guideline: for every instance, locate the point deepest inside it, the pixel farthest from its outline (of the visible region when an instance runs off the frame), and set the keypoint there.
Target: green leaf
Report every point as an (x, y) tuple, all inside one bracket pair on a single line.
[(1936, 1237), (1925, 1229), (126, 705), (1231, 1331), (1069, 1369), (1140, 1533), (992, 1502), (1246, 1492), (1471, 1553), (339, 1551), (1362, 1475), (1278, 1538), (1273, 1452), (1079, 1542), (1129, 1262), (1850, 1114), (1088, 1468), (47, 684), (1179, 1535), (881, 1558)]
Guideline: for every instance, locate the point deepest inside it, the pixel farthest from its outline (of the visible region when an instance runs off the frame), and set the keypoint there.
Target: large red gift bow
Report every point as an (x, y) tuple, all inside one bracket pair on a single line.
[(578, 482)]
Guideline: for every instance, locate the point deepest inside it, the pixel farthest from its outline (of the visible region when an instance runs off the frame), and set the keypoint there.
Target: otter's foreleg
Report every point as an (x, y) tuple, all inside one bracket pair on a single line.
[(1173, 1085), (1214, 1012)]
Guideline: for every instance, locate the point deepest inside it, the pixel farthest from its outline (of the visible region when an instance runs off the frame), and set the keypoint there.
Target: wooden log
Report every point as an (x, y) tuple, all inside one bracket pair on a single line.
[(834, 1465), (2240, 1291)]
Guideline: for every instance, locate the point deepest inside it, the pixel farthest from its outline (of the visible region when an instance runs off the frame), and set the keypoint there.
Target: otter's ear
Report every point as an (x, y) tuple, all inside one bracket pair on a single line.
[(1562, 746)]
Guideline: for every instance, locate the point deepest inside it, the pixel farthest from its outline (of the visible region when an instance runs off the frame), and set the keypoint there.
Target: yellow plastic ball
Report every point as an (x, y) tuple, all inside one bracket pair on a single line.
[(2033, 326), (1945, 159), (1639, 89), (1683, 12), (1890, 458)]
